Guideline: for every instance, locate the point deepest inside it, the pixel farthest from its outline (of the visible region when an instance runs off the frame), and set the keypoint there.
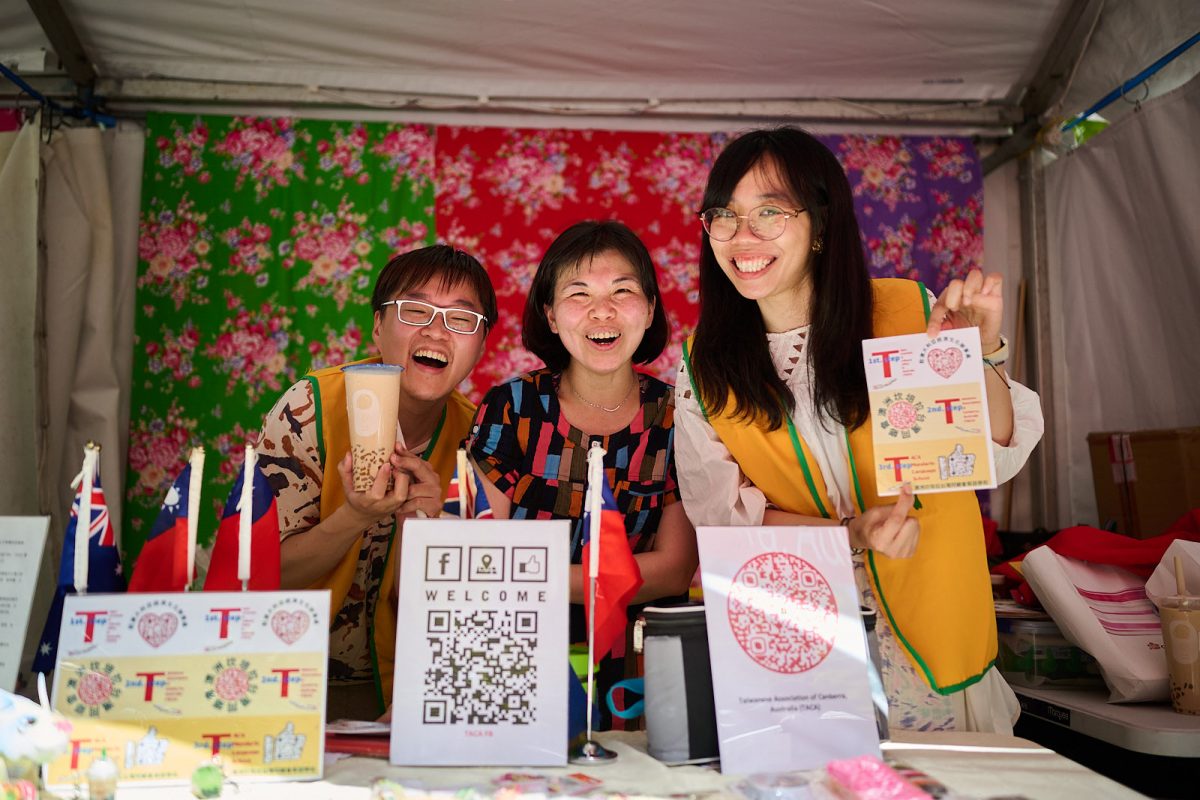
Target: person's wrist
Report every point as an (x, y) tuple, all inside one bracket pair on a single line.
[(855, 544), (996, 355)]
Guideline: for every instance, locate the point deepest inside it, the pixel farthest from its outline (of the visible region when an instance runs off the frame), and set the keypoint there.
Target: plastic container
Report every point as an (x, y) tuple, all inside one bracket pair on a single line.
[(1035, 653), (681, 722)]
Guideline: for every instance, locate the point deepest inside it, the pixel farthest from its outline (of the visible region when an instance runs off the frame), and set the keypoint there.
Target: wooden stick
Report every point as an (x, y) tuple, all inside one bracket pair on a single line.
[(1180, 586)]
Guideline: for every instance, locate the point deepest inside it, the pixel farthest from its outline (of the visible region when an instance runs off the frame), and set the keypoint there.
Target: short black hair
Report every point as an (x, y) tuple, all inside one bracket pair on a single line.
[(575, 246), (452, 267)]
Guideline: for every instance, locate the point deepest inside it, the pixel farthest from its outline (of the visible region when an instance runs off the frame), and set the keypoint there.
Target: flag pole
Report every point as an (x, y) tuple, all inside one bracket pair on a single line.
[(193, 512), (84, 481), (591, 752), (246, 518), (466, 485)]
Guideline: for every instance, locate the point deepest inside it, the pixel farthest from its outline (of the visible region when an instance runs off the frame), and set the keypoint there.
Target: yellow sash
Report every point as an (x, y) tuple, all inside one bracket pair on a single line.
[(939, 602), (329, 393)]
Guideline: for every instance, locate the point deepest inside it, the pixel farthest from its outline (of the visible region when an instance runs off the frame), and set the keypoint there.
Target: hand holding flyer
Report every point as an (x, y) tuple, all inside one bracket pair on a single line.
[(929, 414)]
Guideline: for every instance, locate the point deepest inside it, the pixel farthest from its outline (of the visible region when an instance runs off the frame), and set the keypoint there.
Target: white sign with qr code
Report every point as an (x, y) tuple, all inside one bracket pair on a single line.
[(481, 643)]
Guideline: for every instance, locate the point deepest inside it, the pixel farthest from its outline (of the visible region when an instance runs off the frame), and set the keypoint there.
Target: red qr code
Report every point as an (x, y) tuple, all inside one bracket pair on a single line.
[(783, 613)]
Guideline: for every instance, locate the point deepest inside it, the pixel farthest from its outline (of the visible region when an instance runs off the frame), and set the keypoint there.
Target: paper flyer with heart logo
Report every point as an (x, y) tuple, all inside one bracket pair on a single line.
[(929, 419), (162, 682)]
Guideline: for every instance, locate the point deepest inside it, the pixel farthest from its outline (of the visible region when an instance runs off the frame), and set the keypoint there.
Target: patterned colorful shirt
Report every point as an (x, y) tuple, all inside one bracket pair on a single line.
[(527, 448)]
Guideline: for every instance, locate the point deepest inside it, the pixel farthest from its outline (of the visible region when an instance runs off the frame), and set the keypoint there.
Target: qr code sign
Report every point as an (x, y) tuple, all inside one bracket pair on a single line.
[(783, 612), (482, 670)]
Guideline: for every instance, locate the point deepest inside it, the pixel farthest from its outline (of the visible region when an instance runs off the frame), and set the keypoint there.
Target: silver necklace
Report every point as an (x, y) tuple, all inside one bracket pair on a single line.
[(617, 407)]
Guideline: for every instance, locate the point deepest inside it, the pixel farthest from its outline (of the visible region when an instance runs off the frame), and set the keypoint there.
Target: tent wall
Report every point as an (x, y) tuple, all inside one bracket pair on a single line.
[(18, 304), (1124, 250)]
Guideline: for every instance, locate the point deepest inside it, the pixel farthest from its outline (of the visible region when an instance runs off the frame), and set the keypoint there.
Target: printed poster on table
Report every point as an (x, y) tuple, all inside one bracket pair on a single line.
[(164, 682), (787, 646), (930, 423), (483, 628), (21, 543)]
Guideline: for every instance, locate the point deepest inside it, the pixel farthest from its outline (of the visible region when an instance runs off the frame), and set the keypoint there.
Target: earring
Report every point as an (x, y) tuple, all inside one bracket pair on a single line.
[(818, 245)]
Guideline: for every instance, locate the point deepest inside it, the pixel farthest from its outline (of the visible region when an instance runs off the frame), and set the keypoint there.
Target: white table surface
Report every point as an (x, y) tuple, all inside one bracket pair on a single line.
[(971, 764), (1152, 728)]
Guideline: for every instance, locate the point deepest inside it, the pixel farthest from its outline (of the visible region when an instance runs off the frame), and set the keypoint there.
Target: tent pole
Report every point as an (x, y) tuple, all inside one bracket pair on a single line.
[(1038, 352)]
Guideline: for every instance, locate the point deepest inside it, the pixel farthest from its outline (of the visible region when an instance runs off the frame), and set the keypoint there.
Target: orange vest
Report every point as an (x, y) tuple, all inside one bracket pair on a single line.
[(329, 393), (939, 602)]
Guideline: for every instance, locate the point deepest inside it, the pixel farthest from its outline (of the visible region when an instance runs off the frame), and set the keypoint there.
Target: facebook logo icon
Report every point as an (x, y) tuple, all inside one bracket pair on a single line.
[(443, 563)]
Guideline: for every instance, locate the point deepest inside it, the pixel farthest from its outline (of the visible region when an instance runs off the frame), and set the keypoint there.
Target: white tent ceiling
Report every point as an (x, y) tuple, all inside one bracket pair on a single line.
[(964, 64)]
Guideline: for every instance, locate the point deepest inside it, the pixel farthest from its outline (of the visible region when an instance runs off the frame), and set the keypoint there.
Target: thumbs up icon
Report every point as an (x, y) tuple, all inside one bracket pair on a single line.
[(530, 563), (531, 567)]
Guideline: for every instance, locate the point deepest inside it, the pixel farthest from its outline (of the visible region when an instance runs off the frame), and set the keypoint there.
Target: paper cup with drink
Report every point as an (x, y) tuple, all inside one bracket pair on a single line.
[(372, 403), (1180, 617)]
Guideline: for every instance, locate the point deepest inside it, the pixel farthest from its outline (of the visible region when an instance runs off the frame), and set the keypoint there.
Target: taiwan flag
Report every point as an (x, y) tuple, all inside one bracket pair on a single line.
[(617, 575), (103, 566), (465, 499), (263, 570), (162, 565)]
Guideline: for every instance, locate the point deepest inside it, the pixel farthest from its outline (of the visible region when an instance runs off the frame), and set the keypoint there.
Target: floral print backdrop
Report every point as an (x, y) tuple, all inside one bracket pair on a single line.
[(260, 238)]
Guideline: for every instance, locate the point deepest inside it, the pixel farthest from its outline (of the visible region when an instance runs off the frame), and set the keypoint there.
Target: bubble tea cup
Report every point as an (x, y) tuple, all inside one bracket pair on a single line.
[(1180, 617), (372, 402)]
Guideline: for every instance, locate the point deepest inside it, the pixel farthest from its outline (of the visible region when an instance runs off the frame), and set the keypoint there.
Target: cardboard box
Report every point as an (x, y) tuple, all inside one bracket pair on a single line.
[(1145, 480)]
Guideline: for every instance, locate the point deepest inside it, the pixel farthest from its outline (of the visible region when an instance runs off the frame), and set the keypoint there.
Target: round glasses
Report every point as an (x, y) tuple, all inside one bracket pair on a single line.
[(765, 222), (456, 320)]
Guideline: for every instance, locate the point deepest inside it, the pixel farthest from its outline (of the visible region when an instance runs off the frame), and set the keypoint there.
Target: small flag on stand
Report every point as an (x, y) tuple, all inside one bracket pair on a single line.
[(246, 551), (607, 561), (90, 559), (167, 562), (465, 497)]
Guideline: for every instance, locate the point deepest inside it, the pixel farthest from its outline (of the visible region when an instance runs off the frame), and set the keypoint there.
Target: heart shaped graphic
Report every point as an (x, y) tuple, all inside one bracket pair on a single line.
[(289, 626), (157, 628), (945, 362)]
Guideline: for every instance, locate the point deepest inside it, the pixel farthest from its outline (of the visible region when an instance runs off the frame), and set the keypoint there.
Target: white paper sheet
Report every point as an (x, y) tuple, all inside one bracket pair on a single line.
[(21, 543), (787, 646), (481, 644), (930, 423)]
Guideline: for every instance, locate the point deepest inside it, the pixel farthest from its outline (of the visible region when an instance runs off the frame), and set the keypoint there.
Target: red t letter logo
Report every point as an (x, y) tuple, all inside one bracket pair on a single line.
[(896, 463), (75, 745), (886, 355), (149, 676), (283, 679), (224, 612), (216, 741), (947, 405), (91, 617)]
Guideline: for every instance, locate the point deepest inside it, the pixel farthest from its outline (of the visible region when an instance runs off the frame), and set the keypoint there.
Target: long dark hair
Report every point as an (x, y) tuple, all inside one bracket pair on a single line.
[(730, 351), (574, 247)]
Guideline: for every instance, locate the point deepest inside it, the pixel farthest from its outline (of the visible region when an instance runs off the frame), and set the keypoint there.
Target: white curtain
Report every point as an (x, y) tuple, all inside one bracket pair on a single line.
[(1124, 248), (89, 224), (18, 309), (81, 350)]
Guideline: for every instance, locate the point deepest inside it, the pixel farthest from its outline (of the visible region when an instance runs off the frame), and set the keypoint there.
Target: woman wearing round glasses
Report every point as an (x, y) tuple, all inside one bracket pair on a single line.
[(772, 401), (593, 311), (433, 308)]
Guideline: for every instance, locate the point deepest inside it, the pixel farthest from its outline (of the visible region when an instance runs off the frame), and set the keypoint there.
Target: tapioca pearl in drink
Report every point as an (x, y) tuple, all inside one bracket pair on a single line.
[(365, 465)]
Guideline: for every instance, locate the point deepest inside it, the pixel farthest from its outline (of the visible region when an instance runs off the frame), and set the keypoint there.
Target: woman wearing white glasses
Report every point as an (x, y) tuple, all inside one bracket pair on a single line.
[(772, 406), (433, 308)]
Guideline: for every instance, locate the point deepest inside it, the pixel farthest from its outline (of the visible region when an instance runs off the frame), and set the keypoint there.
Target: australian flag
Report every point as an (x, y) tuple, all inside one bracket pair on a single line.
[(162, 564), (104, 567)]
